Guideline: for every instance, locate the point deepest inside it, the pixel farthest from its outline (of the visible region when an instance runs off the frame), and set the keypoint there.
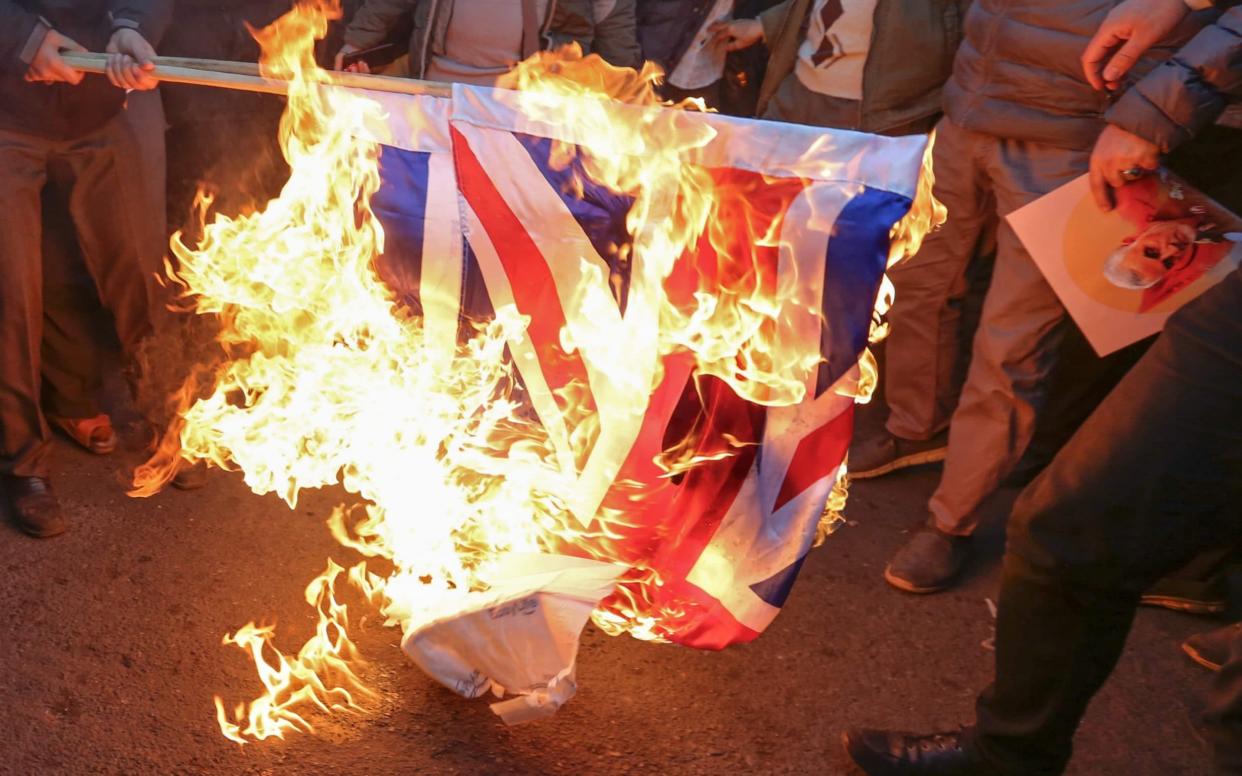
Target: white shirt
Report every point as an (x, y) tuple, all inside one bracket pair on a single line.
[(831, 59)]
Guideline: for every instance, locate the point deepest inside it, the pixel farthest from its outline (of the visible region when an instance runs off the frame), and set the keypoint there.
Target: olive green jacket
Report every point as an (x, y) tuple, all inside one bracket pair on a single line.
[(910, 58)]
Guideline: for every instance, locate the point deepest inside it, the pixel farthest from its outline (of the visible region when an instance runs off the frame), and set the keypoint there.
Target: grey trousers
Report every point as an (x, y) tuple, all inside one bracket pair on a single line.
[(91, 170), (981, 179)]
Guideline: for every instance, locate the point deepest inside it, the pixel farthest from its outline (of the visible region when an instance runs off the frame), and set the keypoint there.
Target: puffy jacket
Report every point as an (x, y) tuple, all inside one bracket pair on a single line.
[(616, 33), (63, 111), (1180, 97), (1018, 74), (566, 21), (911, 54)]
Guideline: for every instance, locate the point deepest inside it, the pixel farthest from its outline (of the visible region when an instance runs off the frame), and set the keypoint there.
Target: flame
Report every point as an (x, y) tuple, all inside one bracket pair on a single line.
[(323, 377)]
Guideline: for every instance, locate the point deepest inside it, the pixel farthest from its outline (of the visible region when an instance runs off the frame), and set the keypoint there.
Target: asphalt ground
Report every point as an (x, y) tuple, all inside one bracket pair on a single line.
[(112, 655)]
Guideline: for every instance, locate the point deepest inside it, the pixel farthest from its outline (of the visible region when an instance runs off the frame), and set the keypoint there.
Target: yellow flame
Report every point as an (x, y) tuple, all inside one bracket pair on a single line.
[(325, 378)]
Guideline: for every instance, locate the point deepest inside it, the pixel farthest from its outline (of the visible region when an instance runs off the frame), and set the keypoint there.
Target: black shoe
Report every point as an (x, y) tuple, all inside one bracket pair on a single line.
[(1188, 595), (1212, 649), (891, 753), (33, 506), (882, 453), (928, 562)]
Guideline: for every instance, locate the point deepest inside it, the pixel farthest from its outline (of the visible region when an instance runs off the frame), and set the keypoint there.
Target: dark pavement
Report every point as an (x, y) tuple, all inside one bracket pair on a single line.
[(112, 655)]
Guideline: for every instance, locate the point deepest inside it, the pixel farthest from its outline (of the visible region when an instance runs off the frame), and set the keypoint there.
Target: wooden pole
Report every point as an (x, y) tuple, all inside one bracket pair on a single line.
[(246, 76)]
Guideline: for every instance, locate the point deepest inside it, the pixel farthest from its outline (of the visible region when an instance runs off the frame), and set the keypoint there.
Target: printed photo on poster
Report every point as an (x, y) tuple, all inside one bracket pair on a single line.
[(1121, 274)]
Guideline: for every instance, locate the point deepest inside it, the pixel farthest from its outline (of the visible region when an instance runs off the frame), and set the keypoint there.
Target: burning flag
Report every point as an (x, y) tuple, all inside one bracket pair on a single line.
[(560, 319)]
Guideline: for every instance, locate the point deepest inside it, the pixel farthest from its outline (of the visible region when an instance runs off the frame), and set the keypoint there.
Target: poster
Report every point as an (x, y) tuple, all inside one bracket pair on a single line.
[(1121, 274)]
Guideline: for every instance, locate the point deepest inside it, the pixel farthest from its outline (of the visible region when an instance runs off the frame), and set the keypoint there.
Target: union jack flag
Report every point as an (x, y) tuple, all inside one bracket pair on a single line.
[(477, 218)]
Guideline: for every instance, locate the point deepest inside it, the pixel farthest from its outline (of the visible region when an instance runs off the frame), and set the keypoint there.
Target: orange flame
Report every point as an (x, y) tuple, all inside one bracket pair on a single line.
[(321, 362)]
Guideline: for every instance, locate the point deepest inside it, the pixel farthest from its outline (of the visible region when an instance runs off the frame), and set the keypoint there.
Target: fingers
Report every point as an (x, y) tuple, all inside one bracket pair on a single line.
[(1100, 190), (1122, 61), (56, 69), (1094, 55), (126, 73)]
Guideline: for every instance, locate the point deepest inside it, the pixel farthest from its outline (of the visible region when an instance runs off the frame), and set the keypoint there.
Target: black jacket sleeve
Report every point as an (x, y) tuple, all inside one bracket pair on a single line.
[(18, 28), (150, 17), (1176, 100)]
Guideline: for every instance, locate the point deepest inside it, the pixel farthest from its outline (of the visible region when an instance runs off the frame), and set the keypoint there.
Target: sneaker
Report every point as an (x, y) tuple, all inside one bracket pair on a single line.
[(891, 753), (33, 506), (1189, 596), (882, 453), (1212, 649), (928, 562)]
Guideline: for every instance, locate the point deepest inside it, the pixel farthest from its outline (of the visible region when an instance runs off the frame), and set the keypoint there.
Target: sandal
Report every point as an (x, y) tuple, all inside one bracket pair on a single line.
[(94, 434)]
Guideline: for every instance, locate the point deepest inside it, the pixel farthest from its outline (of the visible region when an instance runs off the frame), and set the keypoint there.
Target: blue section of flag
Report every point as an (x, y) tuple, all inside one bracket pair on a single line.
[(857, 256), (401, 207), (775, 589), (598, 210)]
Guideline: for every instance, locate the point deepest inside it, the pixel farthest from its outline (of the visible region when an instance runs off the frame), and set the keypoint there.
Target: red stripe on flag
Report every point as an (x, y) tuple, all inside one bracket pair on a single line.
[(818, 454), (531, 280)]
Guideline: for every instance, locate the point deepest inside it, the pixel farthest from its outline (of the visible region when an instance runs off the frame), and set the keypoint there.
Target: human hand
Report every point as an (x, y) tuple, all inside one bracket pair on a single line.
[(1116, 155), (1129, 30), (48, 66), (736, 34), (131, 61), (355, 67)]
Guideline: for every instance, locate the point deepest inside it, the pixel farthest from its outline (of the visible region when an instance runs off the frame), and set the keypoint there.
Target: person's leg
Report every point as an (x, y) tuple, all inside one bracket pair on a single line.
[(112, 238), (71, 365), (1153, 477), (1224, 709), (1014, 347), (24, 436), (922, 346)]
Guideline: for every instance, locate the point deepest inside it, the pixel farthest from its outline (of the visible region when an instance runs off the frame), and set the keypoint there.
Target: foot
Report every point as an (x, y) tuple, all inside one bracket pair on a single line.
[(33, 506), (94, 434), (890, 753), (190, 476), (928, 562), (1189, 596), (882, 453), (1212, 649)]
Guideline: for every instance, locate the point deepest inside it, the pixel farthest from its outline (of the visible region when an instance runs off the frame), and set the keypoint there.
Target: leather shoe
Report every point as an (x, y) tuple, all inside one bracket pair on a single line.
[(928, 562), (892, 753), (33, 506)]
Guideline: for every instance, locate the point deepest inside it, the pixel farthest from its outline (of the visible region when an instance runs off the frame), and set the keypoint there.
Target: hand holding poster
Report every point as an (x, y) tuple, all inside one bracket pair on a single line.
[(1121, 274)]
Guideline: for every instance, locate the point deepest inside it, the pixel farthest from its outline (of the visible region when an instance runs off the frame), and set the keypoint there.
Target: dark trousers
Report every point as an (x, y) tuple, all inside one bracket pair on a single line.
[(110, 235), (1153, 477), (76, 331)]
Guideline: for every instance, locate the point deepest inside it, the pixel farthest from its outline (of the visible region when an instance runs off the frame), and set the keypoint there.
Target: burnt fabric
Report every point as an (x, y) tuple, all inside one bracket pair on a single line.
[(90, 170), (1151, 479)]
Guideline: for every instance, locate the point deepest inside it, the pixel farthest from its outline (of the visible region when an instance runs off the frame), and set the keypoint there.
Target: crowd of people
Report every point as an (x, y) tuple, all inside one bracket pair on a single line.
[(1131, 464)]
